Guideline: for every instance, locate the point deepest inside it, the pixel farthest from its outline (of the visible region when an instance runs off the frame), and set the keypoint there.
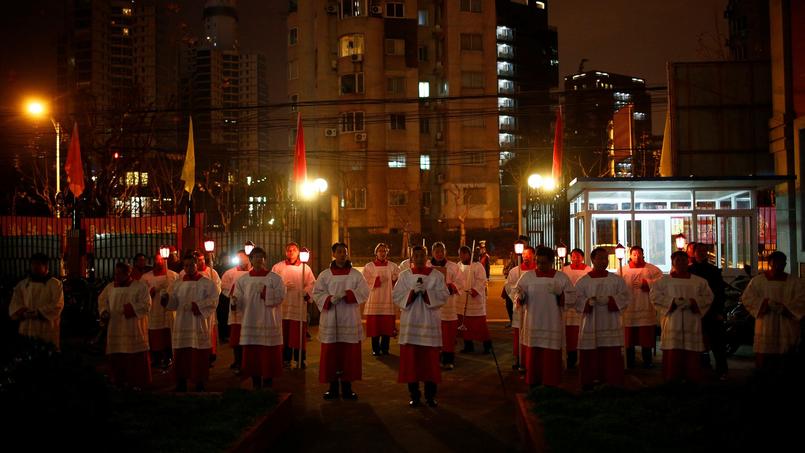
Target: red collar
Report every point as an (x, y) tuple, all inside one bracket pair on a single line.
[(633, 265), (256, 273), (550, 273), (675, 274), (158, 272), (773, 278), (192, 278), (578, 267), (201, 269), (340, 270), (124, 285), (422, 270), (598, 274), (530, 267), (289, 263), (381, 263)]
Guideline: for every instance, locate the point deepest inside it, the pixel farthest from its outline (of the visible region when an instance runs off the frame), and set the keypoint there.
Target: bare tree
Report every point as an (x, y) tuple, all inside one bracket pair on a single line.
[(462, 199), (225, 189)]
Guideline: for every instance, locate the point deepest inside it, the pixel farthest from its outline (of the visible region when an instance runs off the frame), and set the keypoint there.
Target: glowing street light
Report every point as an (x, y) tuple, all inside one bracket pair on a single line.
[(38, 109), (535, 181), (620, 254), (311, 189), (248, 247), (680, 241)]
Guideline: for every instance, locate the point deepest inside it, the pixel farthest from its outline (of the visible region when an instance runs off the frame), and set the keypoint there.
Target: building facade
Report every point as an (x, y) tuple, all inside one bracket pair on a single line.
[(591, 100)]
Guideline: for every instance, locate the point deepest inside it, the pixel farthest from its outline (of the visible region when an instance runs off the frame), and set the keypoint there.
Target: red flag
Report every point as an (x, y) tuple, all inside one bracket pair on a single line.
[(73, 167), (299, 160), (556, 173)]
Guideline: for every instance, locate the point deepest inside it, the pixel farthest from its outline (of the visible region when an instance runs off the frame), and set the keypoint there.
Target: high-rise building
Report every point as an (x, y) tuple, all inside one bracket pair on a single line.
[(591, 100), (225, 89), (399, 106), (527, 69)]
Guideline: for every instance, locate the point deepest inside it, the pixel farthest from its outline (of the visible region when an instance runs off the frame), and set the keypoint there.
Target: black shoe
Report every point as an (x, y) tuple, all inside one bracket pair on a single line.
[(352, 396), (375, 353), (415, 403), (431, 402), (328, 395)]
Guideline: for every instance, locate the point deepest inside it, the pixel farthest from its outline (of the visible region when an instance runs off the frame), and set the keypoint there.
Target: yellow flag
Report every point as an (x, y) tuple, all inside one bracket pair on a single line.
[(189, 168), (666, 167)]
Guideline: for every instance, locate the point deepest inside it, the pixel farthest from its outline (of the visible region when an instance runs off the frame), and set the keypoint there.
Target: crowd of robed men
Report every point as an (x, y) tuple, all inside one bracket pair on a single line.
[(580, 315)]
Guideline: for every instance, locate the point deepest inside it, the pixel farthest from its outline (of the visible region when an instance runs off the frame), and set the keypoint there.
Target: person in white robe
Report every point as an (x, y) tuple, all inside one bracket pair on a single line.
[(640, 317), (420, 293), (600, 298), (124, 305), (208, 272), (339, 291), (777, 302), (681, 299), (298, 279), (574, 271), (37, 303), (472, 303), (380, 275), (449, 316), (194, 298), (510, 287), (160, 321), (257, 297), (232, 318), (542, 294)]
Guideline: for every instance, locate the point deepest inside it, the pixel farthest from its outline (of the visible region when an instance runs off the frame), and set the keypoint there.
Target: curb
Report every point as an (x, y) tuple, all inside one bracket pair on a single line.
[(266, 428), (529, 425)]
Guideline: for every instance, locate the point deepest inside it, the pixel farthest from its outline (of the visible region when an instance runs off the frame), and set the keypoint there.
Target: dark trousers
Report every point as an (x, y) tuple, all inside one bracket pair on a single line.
[(287, 352), (222, 313), (509, 307), (381, 343), (430, 390), (716, 335)]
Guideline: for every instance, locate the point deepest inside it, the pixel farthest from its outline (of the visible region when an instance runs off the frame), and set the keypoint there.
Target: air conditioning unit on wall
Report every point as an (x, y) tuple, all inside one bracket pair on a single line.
[(357, 57), (376, 10), (330, 132), (360, 137), (331, 9)]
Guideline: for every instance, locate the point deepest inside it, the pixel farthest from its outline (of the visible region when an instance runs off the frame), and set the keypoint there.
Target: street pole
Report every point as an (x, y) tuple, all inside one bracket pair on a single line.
[(57, 127)]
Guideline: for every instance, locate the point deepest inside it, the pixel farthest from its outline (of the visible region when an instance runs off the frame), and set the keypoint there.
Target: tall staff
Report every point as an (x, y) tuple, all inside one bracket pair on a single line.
[(304, 257)]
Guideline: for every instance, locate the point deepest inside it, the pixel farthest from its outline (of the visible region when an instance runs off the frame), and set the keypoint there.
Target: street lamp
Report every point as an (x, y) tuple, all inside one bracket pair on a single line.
[(38, 109), (248, 246), (620, 254), (680, 241), (561, 252), (311, 189)]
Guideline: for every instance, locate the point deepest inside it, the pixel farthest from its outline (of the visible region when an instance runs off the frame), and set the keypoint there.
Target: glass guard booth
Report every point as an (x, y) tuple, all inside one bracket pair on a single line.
[(652, 212)]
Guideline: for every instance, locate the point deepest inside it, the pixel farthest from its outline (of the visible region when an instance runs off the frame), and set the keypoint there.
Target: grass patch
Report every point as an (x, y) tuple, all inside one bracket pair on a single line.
[(197, 423), (671, 418), (58, 400)]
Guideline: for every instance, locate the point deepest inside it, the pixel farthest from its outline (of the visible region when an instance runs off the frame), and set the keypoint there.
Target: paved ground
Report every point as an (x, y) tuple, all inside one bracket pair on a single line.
[(474, 414)]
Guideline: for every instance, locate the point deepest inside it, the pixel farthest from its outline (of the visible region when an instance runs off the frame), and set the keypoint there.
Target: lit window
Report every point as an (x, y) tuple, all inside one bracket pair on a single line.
[(127, 11), (506, 122), (396, 160), (350, 45), (505, 33), (125, 31), (505, 86), (505, 68), (351, 8), (424, 161), (539, 5), (505, 51), (505, 103), (424, 89), (422, 17)]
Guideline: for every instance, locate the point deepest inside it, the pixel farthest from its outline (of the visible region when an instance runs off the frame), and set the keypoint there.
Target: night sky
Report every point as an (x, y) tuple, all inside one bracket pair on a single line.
[(623, 36)]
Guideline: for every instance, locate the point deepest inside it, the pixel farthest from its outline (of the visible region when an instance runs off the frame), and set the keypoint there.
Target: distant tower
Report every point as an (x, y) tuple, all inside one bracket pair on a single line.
[(220, 25)]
